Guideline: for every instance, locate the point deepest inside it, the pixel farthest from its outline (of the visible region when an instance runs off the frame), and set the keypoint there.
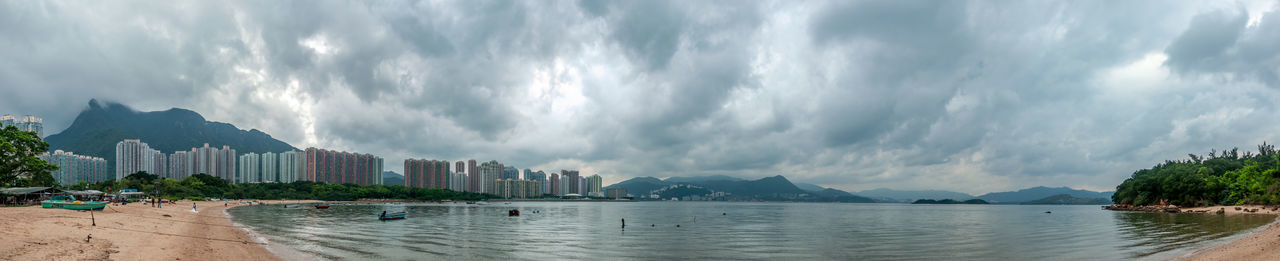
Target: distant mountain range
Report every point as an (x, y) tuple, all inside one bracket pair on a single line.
[(1030, 194), (776, 188), (1065, 199), (392, 178), (99, 127), (1011, 197)]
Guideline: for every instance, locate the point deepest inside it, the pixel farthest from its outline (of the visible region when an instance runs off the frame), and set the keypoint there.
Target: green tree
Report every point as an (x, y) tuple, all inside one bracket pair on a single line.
[(19, 151)]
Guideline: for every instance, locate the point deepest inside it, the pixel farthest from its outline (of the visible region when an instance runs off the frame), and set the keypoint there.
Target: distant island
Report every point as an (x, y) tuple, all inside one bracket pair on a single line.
[(951, 201)]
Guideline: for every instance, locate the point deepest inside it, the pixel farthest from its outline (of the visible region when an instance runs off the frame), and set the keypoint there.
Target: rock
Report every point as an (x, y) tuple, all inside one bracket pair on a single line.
[(1237, 208), (1171, 210), (1221, 211)]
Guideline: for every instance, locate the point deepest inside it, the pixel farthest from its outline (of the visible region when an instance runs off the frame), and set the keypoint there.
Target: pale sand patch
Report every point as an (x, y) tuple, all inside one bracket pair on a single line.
[(132, 232), (1262, 245)]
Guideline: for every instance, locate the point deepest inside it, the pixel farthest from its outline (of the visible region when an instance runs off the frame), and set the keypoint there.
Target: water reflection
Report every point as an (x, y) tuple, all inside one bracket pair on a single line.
[(719, 230), (1147, 234)]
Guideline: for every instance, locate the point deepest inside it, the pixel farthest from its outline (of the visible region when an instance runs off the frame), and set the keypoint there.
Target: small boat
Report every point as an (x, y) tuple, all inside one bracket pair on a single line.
[(392, 216), (292, 206), (70, 202), (471, 202), (322, 206), (513, 213)]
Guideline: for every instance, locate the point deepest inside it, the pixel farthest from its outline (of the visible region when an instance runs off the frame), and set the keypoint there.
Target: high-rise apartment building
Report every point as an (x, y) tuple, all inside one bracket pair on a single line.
[(268, 171), (510, 172), (574, 181), (458, 181), (474, 179), (593, 186), (204, 160), (133, 156), (339, 167), (554, 184), (289, 167), (226, 161), (160, 163), (74, 168), (490, 171), (179, 165), (517, 188), (540, 177), (424, 173), (250, 169), (27, 123)]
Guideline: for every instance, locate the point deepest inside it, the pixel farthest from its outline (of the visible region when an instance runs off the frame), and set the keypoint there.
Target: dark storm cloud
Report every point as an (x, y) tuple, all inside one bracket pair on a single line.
[(965, 95), (1221, 41), (1206, 40)]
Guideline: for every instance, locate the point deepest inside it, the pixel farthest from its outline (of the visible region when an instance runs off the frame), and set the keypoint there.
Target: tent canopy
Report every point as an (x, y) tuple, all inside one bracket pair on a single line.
[(28, 190)]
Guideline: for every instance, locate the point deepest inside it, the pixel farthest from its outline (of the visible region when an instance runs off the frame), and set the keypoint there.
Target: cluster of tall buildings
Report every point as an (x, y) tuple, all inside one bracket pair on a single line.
[(425, 173), (517, 188), (26, 123), (74, 168), (133, 156), (217, 162), (340, 167), (312, 164), (498, 179), (320, 165), (281, 167)]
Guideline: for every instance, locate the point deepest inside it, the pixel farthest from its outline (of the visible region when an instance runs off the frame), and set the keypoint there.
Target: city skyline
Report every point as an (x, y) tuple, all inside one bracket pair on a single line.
[(953, 95)]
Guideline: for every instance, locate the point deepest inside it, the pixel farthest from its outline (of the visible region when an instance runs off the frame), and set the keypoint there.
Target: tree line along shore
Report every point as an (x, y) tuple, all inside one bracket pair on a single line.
[(1229, 177)]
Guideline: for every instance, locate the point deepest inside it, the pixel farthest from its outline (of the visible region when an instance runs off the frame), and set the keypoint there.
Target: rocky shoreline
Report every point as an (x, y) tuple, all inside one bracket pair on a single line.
[(1220, 210)]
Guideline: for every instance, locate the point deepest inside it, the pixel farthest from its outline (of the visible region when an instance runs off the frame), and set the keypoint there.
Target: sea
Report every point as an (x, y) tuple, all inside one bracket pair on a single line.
[(733, 230)]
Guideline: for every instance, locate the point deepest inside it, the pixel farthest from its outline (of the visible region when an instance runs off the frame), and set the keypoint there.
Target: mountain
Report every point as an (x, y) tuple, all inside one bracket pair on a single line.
[(809, 187), (1065, 199), (776, 188), (99, 127), (392, 178), (950, 201), (891, 195), (1027, 195), (697, 179), (641, 185)]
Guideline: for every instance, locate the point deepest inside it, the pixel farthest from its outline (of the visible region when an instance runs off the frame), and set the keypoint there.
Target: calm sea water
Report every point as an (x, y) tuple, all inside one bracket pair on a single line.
[(730, 230)]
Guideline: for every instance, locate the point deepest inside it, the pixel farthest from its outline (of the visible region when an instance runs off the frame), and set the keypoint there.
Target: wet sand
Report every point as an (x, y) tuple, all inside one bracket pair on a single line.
[(131, 232)]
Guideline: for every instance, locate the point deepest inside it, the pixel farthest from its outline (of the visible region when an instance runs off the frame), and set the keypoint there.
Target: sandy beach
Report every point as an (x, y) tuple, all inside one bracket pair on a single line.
[(1258, 246), (132, 232)]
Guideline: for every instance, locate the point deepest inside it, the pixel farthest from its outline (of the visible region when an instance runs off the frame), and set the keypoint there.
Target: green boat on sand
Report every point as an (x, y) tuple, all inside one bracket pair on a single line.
[(70, 202)]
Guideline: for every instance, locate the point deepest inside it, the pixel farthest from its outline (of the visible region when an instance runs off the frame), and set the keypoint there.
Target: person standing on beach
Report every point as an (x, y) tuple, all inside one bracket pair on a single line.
[(193, 206)]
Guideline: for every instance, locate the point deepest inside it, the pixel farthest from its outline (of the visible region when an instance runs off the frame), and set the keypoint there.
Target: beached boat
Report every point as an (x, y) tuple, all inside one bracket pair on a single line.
[(70, 202), (392, 216)]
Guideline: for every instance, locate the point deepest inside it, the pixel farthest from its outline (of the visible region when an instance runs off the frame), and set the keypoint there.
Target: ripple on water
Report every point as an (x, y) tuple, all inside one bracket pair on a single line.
[(583, 230)]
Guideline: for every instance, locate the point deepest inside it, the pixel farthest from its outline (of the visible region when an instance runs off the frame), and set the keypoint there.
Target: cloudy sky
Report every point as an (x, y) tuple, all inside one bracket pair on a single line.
[(967, 96)]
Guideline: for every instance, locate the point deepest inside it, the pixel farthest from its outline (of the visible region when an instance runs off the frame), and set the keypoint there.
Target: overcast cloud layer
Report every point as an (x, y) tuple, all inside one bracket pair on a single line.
[(966, 96)]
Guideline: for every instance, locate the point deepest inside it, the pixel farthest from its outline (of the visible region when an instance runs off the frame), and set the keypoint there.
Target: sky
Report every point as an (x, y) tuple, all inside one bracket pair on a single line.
[(969, 96)]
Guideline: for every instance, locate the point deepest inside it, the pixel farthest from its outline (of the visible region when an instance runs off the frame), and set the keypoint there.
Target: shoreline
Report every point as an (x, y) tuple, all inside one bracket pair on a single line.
[(1251, 246), (1257, 245), (131, 232)]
